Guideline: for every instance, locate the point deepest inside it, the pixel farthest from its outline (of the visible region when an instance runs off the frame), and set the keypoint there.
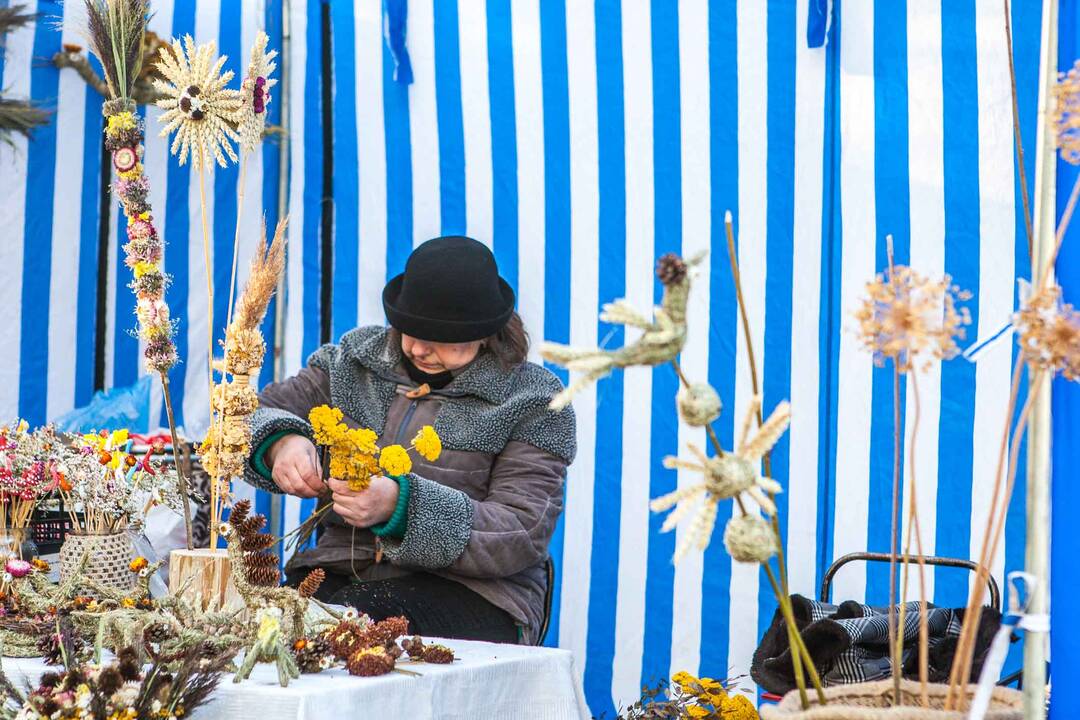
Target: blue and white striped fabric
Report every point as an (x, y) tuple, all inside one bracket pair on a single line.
[(581, 140)]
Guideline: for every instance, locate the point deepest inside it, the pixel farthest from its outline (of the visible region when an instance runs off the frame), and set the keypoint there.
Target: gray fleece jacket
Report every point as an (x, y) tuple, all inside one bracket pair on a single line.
[(483, 513)]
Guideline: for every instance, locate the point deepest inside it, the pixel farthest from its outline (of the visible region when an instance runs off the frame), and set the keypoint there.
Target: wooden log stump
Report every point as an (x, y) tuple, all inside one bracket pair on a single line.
[(204, 577)]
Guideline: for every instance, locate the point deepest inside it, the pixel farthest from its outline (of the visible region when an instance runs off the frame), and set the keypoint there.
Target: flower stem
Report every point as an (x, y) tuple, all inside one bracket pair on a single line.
[(965, 650), (181, 480), (1017, 137), (209, 330), (957, 674)]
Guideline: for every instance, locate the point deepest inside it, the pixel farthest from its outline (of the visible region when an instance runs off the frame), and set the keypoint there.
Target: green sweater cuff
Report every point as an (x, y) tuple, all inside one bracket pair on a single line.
[(258, 458), (399, 521)]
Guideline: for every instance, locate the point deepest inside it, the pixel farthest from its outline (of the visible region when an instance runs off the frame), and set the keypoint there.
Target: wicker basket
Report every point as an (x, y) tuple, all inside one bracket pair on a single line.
[(109, 558), (872, 701)]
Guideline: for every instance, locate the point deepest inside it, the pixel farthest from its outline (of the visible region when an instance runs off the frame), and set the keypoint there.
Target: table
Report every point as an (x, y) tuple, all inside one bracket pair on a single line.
[(487, 681)]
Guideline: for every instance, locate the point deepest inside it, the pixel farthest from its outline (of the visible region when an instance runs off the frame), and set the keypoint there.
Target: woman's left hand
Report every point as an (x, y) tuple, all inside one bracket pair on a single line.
[(371, 506)]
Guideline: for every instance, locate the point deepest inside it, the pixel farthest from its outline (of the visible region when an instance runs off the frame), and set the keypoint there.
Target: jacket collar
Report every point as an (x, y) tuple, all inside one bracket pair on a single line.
[(483, 377)]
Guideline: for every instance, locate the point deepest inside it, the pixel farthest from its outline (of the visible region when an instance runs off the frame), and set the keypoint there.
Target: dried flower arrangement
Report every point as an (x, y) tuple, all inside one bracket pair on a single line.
[(1048, 337), (27, 476), (687, 696), (727, 475), (207, 118), (107, 489), (355, 455), (118, 691), (911, 321), (227, 444), (369, 649), (117, 33)]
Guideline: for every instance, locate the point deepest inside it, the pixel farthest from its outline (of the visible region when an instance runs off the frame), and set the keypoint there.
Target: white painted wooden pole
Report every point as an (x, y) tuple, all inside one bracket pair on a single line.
[(1037, 557)]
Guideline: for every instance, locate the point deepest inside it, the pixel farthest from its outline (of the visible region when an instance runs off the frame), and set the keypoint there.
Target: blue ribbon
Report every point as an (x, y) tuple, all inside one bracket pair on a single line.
[(395, 13), (817, 23)]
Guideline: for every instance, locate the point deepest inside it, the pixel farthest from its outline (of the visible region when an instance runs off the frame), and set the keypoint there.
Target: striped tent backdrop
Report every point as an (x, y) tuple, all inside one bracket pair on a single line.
[(52, 213), (580, 140)]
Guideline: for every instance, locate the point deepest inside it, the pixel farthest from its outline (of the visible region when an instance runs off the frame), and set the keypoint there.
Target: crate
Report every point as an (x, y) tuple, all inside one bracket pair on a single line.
[(49, 528)]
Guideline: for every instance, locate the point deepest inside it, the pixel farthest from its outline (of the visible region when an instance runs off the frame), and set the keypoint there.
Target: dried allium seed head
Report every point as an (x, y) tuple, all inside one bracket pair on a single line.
[(906, 317), (1066, 117), (1049, 333)]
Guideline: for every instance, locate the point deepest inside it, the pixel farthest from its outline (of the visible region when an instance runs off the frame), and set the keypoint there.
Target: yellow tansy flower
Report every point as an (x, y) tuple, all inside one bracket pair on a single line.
[(363, 440), (120, 121), (697, 711), (428, 443), (739, 707), (395, 460), (127, 602), (683, 679), (326, 422)]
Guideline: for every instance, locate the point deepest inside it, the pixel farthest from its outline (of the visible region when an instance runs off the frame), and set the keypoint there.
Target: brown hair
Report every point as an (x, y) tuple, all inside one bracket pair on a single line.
[(510, 346)]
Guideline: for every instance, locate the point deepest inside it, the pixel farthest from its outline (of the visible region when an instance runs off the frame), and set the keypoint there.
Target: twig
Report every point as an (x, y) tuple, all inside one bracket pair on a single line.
[(958, 675), (1017, 138), (181, 479), (966, 650), (895, 512)]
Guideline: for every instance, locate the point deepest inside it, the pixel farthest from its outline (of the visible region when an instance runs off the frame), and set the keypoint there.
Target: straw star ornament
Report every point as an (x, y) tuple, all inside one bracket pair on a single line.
[(198, 105), (726, 476), (255, 94)]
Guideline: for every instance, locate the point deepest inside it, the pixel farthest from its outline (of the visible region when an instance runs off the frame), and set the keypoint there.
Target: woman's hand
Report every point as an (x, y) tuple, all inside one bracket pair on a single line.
[(368, 507), (294, 466)]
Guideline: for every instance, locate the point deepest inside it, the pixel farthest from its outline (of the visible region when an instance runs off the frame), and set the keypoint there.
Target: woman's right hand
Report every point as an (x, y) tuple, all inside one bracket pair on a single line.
[(294, 466)]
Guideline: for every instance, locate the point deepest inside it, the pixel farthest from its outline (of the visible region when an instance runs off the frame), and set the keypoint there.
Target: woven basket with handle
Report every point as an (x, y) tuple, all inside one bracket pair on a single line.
[(109, 558), (873, 701)]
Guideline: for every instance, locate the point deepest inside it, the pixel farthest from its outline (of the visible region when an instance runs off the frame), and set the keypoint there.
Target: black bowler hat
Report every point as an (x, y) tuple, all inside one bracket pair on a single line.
[(450, 292)]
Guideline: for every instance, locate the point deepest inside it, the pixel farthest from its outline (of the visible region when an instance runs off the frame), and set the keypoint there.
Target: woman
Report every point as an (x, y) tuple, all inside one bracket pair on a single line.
[(459, 545)]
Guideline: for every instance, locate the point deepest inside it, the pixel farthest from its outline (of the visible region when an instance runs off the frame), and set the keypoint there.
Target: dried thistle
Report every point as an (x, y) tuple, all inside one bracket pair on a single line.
[(905, 315), (725, 476), (255, 94), (1049, 333), (198, 105)]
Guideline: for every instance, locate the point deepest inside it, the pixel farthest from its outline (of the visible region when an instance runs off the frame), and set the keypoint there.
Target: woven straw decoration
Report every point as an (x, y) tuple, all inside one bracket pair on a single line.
[(871, 701), (109, 557)]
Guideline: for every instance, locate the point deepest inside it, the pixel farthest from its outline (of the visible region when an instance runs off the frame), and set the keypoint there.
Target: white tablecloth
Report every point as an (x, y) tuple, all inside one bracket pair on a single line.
[(487, 681)]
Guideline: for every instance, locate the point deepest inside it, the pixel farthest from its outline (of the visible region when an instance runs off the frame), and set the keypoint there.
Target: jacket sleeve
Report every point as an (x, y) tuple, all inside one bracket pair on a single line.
[(283, 409), (500, 535)]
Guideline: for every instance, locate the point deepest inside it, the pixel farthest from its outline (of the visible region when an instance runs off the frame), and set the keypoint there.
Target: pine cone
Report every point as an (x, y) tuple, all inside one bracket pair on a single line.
[(310, 585), (369, 662), (157, 633), (239, 513), (264, 576), (414, 646), (438, 655), (253, 560), (253, 524), (312, 656), (257, 542), (670, 269)]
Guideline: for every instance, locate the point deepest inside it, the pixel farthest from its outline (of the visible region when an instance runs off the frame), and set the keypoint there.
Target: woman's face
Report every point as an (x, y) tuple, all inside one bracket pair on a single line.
[(436, 357)]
